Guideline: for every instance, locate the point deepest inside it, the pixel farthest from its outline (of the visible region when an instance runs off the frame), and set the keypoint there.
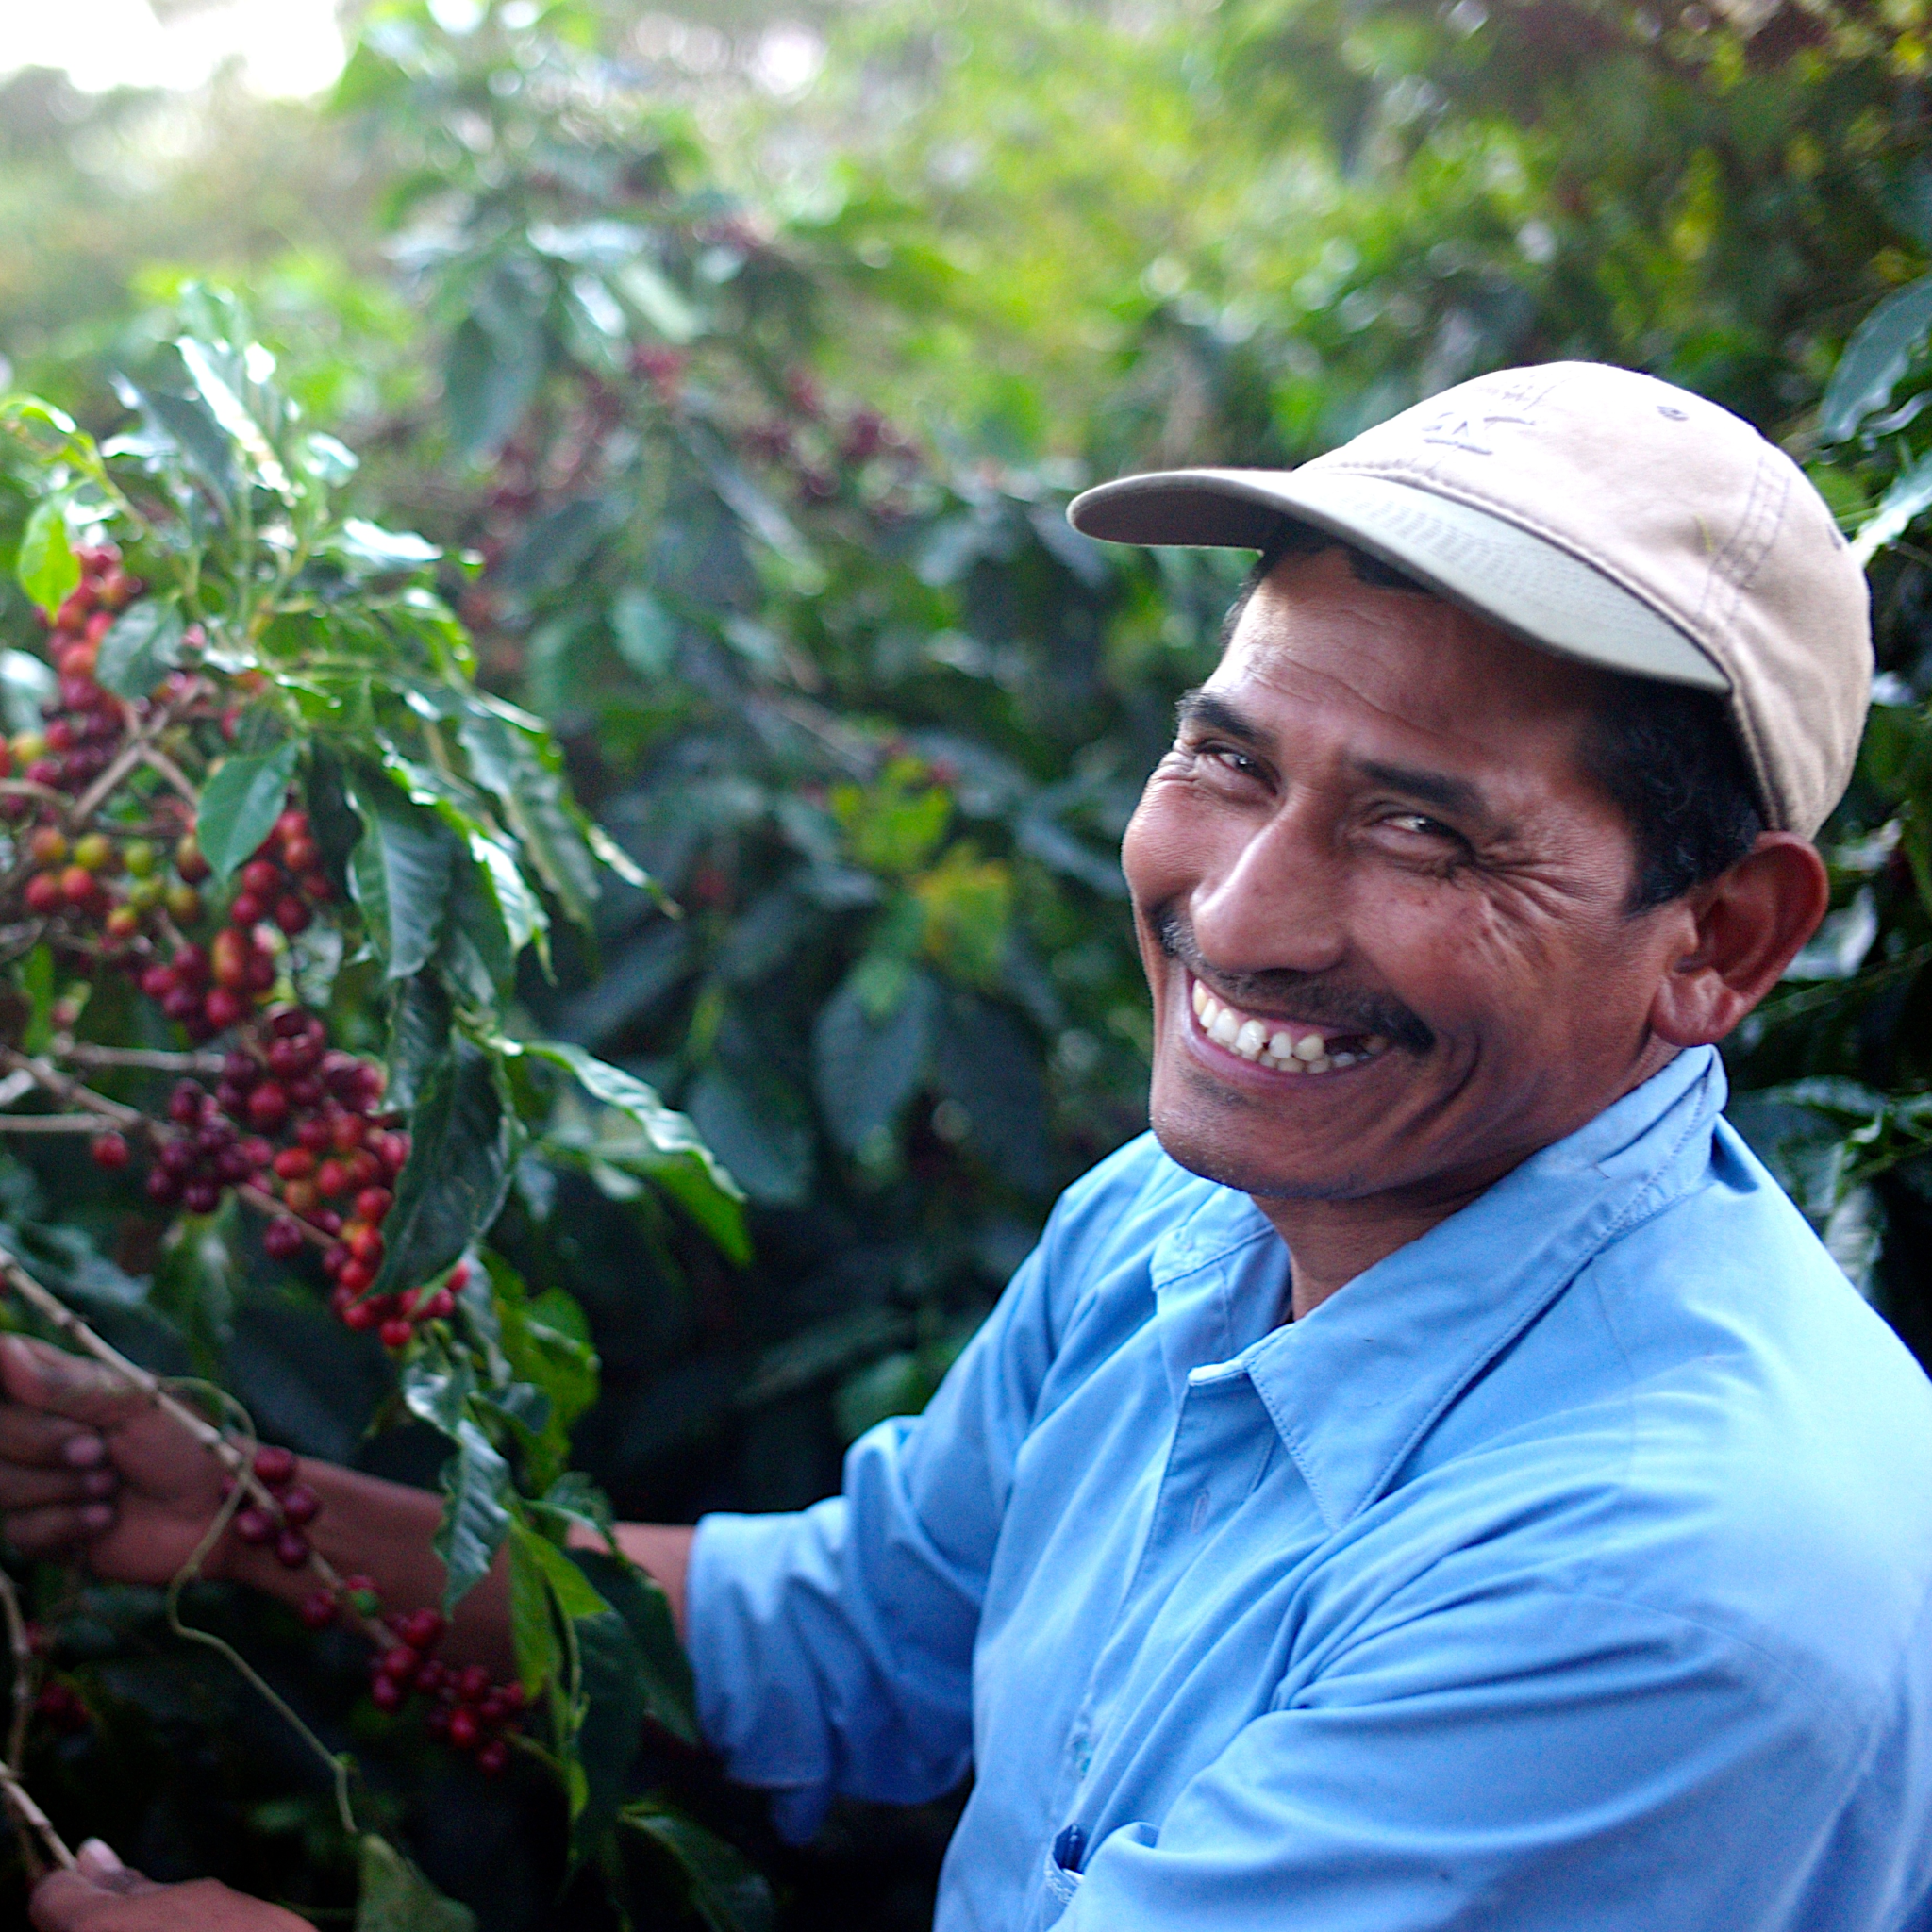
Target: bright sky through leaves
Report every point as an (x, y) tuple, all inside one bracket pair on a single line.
[(291, 47)]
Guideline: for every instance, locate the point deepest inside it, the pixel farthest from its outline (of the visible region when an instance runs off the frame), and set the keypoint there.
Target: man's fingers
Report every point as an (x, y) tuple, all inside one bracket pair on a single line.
[(47, 1442), (100, 1864), (34, 1532), (41, 1377), (33, 1488)]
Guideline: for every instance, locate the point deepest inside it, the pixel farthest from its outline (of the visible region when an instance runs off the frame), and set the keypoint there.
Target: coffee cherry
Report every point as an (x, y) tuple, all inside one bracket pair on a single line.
[(364, 1242), (294, 1163), (121, 924), (228, 960), (226, 1008), (457, 1279), (268, 1105), (97, 853), (301, 1505), (398, 1332), (80, 888), (360, 1316), (163, 1188), (43, 895), (254, 1524), (436, 1722), (291, 915), (48, 847), (355, 1275), (274, 1464), (493, 1759), (138, 856), (386, 1693), (300, 1197), (201, 1196), (438, 1308), (188, 862), (302, 854), (372, 1204), (464, 1730), (261, 970), (108, 1151), (184, 905), (282, 1239), (332, 1178), (246, 911), (400, 1663), (261, 877), (292, 1549), (317, 1611), (422, 1629)]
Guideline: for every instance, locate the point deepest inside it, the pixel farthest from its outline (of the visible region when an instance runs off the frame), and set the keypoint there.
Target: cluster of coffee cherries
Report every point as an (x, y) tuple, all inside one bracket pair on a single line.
[(84, 723), (209, 989), (468, 1710), (275, 1469)]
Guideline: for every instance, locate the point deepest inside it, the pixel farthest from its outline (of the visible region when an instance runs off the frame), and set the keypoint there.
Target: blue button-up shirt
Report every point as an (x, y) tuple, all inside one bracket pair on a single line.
[(1568, 1569)]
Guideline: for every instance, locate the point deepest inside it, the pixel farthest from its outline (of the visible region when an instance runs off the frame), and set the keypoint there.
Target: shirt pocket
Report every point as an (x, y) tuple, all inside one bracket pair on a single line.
[(1060, 1887)]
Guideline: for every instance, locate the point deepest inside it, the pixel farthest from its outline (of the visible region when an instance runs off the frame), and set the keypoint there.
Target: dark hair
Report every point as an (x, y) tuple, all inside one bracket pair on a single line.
[(1665, 753)]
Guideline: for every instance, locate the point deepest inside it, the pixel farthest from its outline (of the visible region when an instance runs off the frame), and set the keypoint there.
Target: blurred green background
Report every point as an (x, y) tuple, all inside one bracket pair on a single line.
[(753, 351)]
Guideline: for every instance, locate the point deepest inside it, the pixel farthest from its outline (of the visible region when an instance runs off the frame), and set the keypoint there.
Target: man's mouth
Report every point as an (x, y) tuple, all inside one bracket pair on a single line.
[(1285, 1046)]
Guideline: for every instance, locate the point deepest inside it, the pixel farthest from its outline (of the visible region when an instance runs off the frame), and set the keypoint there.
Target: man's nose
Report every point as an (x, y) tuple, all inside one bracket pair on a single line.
[(1275, 903)]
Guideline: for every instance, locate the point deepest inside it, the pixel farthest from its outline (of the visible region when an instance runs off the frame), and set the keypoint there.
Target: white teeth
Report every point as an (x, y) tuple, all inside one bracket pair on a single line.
[(1279, 1050)]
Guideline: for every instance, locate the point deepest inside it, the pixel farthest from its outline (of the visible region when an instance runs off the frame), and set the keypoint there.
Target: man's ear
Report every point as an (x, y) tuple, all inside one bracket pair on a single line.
[(1747, 925)]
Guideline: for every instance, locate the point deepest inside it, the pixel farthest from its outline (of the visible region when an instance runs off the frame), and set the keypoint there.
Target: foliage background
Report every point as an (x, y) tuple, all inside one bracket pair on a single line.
[(753, 352)]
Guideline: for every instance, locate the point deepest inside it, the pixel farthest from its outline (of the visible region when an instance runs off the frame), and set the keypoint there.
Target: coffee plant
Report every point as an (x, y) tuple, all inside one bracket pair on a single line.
[(269, 860)]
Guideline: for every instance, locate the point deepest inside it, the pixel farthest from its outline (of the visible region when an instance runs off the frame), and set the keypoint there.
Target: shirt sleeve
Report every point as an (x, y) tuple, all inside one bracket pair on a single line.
[(833, 1648), (1540, 1762)]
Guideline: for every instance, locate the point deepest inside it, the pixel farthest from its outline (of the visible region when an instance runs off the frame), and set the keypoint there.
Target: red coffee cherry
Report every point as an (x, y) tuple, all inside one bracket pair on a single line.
[(274, 1464), (292, 1549), (254, 1524), (398, 1332), (319, 1610), (493, 1760), (422, 1629), (386, 1693), (262, 877), (108, 1151), (464, 1730), (301, 1505)]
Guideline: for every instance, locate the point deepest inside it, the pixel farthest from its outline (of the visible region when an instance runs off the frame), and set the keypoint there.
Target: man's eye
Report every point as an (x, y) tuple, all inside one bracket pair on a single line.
[(1226, 755), (1421, 825)]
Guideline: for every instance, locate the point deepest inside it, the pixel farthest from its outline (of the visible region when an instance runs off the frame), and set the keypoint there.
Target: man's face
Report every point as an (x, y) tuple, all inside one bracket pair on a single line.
[(1381, 903)]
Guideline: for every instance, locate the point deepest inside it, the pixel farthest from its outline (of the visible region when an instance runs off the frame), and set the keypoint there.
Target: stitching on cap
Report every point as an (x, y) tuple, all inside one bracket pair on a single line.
[(1738, 562)]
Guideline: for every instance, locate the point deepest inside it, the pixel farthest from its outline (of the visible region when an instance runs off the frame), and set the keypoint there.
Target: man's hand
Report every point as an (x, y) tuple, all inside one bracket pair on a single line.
[(105, 1896), (85, 1459)]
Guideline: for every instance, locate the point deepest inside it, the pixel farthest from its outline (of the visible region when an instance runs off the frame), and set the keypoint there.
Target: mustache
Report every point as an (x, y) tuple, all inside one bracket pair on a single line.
[(1313, 997)]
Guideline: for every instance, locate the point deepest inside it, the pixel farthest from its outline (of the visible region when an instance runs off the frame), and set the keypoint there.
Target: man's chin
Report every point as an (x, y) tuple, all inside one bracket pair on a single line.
[(1274, 1176)]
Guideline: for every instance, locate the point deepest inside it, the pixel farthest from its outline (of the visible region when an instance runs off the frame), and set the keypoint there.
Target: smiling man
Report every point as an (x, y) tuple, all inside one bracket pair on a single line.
[(1435, 1480)]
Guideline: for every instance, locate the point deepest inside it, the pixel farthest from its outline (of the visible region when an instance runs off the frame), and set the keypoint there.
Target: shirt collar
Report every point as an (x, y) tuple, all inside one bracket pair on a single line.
[(1356, 1385)]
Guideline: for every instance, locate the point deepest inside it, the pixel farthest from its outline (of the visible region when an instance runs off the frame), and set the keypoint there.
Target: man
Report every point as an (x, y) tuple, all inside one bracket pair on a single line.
[(1437, 1479)]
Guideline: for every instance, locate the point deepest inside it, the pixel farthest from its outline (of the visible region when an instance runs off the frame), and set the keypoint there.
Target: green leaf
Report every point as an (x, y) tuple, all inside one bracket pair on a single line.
[(757, 1129), (240, 806), (724, 1889), (510, 761), (476, 954), (663, 1667), (186, 426), (141, 646), (523, 917), (395, 1897), (437, 1384), (226, 406), (1898, 509), (37, 981), (462, 1149), (476, 1480), (401, 873), (866, 1069), (646, 632), (419, 1027), (611, 1733), (669, 1148), (547, 1343), (537, 1648), (47, 568), (1881, 348)]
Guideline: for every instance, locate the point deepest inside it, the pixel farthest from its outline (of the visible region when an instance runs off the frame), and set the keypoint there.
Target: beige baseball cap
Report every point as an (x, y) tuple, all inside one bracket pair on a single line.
[(1598, 513)]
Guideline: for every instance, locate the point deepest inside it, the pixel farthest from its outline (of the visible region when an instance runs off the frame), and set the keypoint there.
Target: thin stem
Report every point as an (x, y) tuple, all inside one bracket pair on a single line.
[(27, 1816), (85, 1053), (159, 760), (49, 1124)]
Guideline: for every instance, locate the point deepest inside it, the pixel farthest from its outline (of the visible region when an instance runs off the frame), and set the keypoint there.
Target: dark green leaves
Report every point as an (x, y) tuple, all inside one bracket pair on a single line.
[(419, 1029), (474, 1519), (462, 1149), (662, 1667), (869, 1056), (47, 567), (395, 1897), (401, 873), (497, 358), (727, 1894), (1875, 358), (240, 806), (140, 648)]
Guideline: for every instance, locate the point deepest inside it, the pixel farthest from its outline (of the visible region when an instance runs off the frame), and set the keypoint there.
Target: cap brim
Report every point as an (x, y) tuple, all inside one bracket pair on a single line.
[(1492, 567)]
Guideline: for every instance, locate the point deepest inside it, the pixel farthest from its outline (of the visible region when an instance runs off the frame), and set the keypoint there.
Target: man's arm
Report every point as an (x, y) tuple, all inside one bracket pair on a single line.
[(87, 1462)]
